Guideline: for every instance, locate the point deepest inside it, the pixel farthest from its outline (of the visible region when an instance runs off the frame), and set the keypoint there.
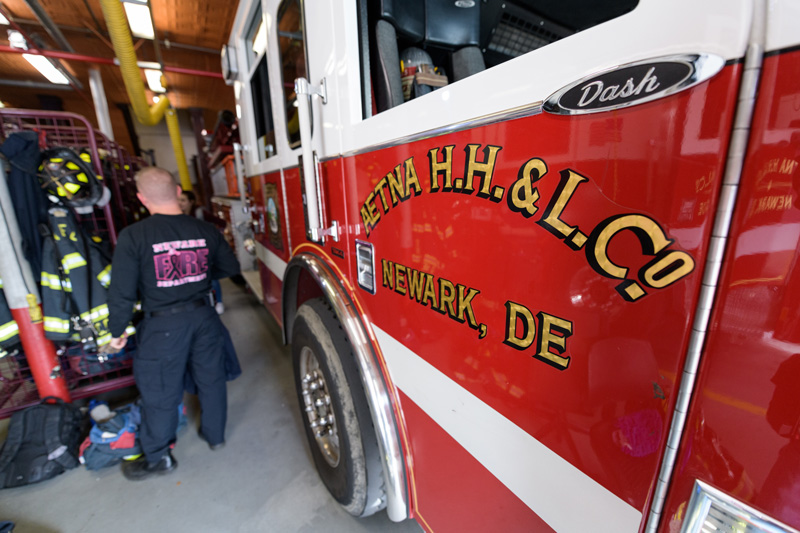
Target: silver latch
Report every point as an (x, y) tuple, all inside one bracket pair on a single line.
[(302, 86), (317, 234)]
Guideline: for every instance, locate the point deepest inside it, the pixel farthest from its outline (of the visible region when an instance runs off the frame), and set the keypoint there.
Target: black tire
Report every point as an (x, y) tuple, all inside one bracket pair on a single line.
[(344, 447)]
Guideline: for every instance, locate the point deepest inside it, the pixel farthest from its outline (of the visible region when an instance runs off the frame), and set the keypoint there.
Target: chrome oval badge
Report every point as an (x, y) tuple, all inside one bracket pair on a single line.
[(633, 83)]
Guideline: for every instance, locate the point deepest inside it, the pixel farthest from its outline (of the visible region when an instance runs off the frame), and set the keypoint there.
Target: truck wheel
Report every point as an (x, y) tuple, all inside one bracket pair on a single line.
[(334, 408)]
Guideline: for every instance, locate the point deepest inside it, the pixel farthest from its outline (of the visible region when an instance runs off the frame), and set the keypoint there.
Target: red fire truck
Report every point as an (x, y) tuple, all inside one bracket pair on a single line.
[(537, 261)]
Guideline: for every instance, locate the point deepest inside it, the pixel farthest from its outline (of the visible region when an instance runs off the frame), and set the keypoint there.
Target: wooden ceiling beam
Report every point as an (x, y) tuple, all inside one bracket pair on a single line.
[(166, 43), (47, 23)]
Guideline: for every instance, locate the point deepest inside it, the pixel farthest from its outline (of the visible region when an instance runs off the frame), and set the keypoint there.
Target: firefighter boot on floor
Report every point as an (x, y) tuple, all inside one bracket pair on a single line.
[(141, 469)]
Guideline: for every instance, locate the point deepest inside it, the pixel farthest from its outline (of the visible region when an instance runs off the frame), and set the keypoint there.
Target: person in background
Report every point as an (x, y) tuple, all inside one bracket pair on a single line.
[(168, 260), (188, 203)]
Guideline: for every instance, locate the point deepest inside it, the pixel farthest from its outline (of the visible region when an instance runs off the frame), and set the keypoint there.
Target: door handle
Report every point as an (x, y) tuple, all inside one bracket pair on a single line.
[(239, 168), (311, 182)]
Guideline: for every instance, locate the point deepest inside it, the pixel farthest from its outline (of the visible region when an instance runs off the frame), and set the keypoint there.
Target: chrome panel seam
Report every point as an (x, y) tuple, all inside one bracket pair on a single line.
[(722, 222), (285, 210), (375, 387), (508, 114)]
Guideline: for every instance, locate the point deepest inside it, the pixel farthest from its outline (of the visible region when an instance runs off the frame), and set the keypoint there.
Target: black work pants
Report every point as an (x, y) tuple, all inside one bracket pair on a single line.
[(169, 346)]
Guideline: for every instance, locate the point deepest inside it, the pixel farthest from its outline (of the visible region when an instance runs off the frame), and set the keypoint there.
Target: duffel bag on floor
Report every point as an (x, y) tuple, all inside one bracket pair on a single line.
[(113, 440)]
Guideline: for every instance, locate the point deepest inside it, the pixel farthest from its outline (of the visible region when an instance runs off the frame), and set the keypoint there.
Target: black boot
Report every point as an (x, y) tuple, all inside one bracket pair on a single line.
[(214, 447), (141, 469)]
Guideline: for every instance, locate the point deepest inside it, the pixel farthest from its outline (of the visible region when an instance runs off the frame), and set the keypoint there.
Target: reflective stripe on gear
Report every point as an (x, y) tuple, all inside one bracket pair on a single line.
[(105, 339), (56, 325), (8, 330), (53, 282), (101, 311), (104, 277), (73, 260)]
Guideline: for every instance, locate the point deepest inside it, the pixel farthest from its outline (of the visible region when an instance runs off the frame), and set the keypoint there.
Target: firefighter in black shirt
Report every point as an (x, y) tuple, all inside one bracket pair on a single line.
[(168, 261)]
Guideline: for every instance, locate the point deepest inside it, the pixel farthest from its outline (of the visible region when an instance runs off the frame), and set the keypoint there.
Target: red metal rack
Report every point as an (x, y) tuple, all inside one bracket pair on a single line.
[(112, 161), (84, 373)]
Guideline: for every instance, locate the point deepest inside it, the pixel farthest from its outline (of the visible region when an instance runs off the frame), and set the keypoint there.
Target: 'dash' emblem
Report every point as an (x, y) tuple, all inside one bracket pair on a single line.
[(634, 83)]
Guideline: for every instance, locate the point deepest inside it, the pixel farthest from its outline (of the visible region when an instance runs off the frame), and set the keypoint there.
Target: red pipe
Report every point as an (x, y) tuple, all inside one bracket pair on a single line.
[(56, 54), (41, 355), (36, 51), (193, 72)]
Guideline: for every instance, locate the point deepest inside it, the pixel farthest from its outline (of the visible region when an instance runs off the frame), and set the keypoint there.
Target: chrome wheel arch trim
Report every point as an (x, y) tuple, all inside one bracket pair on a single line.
[(375, 387)]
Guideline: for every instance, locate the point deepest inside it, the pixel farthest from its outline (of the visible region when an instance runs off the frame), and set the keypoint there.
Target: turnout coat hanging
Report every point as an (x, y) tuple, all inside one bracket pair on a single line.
[(75, 278)]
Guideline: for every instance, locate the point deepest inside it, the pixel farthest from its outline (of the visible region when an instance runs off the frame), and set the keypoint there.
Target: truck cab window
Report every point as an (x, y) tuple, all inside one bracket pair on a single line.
[(416, 46), (255, 46), (262, 111), (291, 41), (256, 39)]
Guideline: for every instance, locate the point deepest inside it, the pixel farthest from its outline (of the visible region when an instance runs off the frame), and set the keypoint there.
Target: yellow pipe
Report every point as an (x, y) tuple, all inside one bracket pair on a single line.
[(148, 115), (180, 157)]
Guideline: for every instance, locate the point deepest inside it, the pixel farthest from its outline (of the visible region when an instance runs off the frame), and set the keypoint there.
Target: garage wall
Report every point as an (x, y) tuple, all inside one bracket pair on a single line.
[(157, 138)]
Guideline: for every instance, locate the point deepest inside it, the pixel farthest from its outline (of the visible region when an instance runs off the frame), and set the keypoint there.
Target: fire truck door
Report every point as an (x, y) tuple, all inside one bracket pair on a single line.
[(538, 266)]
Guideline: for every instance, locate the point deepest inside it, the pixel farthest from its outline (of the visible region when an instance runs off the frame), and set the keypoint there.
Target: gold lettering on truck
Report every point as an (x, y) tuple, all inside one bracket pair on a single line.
[(665, 265), (550, 332), (451, 299)]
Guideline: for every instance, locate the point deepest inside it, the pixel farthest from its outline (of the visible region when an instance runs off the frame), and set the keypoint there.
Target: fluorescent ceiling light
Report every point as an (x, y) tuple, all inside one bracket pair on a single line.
[(3, 20), (43, 65), (154, 80), (40, 63), (16, 40), (139, 20)]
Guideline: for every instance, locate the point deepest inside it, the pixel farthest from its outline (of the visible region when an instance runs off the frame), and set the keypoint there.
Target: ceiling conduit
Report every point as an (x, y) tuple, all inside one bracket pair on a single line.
[(148, 115), (57, 54)]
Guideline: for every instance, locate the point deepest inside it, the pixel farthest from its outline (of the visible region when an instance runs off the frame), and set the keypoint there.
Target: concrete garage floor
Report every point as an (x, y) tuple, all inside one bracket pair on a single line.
[(262, 481)]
